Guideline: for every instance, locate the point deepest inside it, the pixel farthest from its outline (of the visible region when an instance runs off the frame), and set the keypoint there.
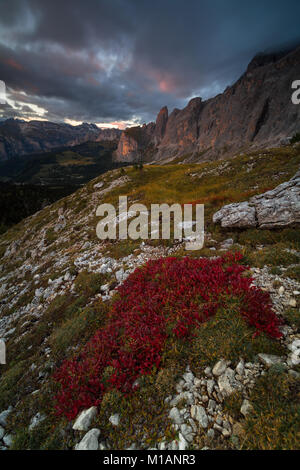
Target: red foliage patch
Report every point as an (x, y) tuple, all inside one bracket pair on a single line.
[(166, 297)]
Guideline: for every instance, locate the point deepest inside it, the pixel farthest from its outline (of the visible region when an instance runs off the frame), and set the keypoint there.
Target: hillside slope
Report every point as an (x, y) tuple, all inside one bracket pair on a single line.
[(28, 185), (60, 284), (255, 112)]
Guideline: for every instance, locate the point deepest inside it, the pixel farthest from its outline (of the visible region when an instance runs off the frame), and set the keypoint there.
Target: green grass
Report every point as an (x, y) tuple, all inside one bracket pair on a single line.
[(293, 273), (227, 335), (274, 255), (274, 424), (122, 248), (88, 283)]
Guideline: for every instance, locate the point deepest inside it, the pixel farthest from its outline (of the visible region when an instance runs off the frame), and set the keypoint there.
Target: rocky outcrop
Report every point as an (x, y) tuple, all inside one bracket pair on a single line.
[(160, 125), (257, 111), (273, 209), (19, 138), (135, 142)]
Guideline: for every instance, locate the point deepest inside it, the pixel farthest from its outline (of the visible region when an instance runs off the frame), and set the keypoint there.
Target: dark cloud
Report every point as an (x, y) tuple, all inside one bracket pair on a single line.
[(123, 60)]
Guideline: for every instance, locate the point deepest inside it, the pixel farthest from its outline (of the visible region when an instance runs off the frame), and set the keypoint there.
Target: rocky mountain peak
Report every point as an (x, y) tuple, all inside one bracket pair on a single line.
[(265, 58)]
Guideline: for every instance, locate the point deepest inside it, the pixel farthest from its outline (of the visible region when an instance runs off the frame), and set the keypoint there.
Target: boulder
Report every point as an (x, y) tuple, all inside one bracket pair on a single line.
[(114, 420), (237, 215), (273, 209)]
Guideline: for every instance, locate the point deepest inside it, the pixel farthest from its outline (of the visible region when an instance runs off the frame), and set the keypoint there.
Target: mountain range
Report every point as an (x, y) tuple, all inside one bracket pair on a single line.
[(19, 138)]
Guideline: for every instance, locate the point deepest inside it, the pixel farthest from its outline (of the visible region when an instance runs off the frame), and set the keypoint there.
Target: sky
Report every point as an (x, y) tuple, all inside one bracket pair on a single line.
[(118, 62)]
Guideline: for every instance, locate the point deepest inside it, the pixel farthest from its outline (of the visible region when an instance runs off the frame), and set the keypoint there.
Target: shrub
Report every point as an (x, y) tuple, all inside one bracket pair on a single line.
[(167, 299), (295, 138)]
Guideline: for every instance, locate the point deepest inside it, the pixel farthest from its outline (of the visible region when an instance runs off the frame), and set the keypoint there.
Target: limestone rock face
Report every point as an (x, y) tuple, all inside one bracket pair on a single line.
[(134, 142), (279, 207), (257, 111), (160, 125), (272, 209), (237, 215)]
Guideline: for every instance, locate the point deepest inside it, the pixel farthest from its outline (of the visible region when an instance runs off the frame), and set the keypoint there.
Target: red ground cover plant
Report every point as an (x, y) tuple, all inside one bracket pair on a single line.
[(166, 297)]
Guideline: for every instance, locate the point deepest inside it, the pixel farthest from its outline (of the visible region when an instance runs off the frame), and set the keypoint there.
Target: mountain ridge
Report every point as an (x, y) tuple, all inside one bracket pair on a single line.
[(20, 138), (256, 111)]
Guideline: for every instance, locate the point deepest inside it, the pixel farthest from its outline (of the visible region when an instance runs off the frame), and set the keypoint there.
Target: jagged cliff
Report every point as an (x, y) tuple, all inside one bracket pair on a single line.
[(256, 111), (19, 138)]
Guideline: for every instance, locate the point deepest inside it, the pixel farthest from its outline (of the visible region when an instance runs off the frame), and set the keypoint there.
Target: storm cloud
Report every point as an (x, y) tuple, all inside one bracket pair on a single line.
[(120, 61)]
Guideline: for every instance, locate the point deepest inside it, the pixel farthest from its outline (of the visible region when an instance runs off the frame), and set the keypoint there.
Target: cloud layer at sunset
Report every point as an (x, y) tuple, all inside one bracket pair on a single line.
[(120, 61)]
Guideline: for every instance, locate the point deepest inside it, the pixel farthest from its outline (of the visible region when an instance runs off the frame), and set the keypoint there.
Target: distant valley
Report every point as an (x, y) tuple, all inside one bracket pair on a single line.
[(29, 184)]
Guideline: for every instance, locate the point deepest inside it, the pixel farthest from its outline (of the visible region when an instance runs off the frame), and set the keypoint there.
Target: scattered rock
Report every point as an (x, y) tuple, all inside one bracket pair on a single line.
[(4, 416), (220, 367), (90, 441), (227, 383), (36, 420), (246, 408), (199, 414), (114, 420), (8, 440), (175, 416), (269, 359), (84, 419)]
